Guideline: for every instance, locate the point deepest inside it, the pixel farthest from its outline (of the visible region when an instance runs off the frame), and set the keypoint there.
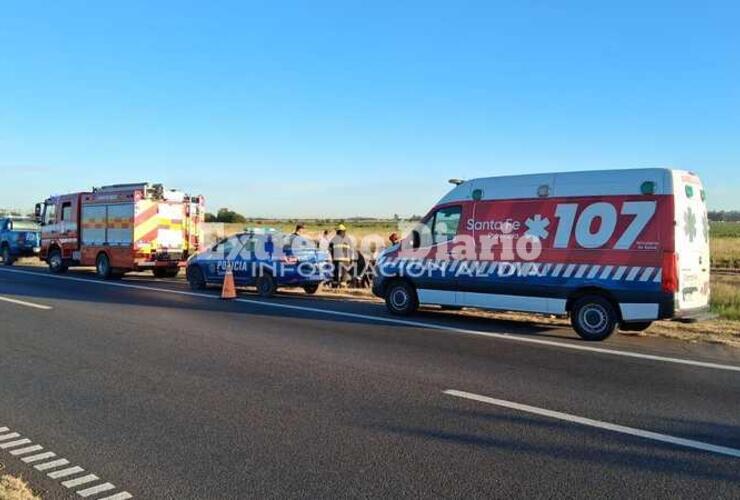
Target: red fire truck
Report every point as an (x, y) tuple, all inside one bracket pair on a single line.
[(121, 228)]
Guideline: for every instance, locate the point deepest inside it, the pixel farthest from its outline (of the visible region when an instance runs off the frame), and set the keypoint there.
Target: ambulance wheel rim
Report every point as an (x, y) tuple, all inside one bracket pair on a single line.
[(594, 318)]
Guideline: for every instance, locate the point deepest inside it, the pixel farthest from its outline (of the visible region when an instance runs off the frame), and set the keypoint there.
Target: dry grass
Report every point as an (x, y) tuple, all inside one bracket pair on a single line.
[(725, 252), (726, 296), (13, 488)]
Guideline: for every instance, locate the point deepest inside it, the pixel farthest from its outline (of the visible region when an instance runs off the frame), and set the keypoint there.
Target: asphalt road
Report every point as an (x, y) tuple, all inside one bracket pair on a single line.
[(165, 394)]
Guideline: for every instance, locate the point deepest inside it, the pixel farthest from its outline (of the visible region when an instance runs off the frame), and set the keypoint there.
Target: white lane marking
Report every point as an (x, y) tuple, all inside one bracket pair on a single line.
[(4, 429), (14, 444), (394, 321), (39, 457), (101, 488), (65, 472), (26, 451), (12, 435), (24, 303), (655, 436), (72, 483), (52, 465), (124, 495)]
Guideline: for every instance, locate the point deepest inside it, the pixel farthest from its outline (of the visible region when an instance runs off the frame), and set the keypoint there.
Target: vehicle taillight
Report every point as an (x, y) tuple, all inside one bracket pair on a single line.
[(670, 272)]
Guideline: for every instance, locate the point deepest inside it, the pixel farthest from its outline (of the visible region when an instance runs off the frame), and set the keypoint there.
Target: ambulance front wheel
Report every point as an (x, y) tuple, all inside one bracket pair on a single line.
[(593, 317), (401, 298)]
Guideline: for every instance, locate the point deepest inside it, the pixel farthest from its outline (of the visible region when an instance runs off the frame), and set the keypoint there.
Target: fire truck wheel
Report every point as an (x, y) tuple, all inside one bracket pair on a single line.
[(165, 273), (56, 262), (593, 317), (7, 258), (401, 298), (266, 285), (102, 266), (196, 280), (311, 288)]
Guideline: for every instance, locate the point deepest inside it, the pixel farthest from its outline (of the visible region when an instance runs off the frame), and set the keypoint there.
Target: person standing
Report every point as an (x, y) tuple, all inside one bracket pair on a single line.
[(340, 249), (324, 241)]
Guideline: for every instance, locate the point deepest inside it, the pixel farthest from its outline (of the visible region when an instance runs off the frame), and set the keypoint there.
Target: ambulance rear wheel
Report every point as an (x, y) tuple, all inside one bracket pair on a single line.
[(56, 262), (266, 285), (401, 298), (593, 317), (196, 280), (102, 266)]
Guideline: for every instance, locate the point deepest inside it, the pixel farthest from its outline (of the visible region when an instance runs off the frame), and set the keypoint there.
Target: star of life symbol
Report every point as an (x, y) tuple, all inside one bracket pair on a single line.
[(690, 224), (537, 227)]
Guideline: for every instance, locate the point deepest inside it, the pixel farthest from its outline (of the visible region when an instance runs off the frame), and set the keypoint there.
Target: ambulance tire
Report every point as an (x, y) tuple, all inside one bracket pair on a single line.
[(103, 268), (266, 285), (311, 288), (195, 277), (7, 258), (593, 317), (56, 262), (401, 298), (640, 326)]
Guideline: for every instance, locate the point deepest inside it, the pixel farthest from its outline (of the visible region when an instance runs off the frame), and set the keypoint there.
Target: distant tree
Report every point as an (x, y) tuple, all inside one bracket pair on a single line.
[(230, 217), (210, 217)]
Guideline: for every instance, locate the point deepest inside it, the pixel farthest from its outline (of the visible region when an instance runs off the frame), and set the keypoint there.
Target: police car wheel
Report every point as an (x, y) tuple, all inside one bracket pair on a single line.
[(7, 258), (56, 262), (196, 280), (401, 298), (593, 318), (266, 285), (102, 266), (635, 327), (311, 288)]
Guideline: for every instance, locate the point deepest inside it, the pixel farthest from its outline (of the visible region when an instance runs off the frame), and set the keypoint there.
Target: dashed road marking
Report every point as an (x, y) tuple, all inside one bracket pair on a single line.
[(66, 472), (403, 322), (13, 442), (24, 303), (26, 451), (655, 436), (39, 457), (52, 465)]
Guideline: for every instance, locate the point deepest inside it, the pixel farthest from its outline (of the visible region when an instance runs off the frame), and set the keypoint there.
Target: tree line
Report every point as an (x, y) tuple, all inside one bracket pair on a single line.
[(724, 215)]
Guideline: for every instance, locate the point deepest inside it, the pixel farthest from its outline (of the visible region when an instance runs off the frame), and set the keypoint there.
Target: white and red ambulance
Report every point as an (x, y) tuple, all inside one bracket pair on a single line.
[(610, 248)]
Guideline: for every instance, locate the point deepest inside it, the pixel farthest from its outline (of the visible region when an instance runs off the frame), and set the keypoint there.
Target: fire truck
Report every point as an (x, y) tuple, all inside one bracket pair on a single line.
[(121, 228)]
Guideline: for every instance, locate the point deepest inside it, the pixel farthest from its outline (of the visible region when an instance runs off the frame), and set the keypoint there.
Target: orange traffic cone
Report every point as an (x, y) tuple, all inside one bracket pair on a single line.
[(229, 289)]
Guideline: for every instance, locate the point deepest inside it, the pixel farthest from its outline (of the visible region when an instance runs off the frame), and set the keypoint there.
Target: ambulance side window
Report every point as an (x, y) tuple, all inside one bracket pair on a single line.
[(446, 223)]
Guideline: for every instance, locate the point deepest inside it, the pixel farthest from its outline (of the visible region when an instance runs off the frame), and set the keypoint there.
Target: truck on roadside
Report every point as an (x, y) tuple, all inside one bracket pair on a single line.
[(609, 249), (121, 228), (19, 237)]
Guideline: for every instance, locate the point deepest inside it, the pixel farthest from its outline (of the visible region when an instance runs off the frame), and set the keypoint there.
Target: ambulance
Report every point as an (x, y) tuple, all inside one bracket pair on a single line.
[(609, 249), (121, 228)]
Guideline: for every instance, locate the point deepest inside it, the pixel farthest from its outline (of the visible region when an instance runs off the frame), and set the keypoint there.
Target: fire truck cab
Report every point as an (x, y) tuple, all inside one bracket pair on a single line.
[(121, 228)]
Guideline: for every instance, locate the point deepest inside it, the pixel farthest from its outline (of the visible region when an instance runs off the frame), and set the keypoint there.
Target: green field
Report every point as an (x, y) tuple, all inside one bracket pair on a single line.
[(725, 229)]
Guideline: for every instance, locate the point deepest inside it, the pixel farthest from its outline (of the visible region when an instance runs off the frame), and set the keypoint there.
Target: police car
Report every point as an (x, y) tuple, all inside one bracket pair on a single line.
[(266, 260)]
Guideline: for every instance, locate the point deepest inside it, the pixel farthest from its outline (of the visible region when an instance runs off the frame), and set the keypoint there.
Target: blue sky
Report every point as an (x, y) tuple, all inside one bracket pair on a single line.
[(361, 108)]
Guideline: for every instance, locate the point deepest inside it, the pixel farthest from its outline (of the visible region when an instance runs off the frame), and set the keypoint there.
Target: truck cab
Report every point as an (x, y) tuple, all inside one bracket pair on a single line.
[(19, 237)]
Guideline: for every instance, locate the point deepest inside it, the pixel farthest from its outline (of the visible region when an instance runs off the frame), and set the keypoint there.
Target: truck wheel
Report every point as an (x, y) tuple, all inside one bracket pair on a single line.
[(7, 258), (401, 298), (56, 262), (165, 272), (640, 326), (311, 288), (102, 266), (593, 317), (196, 280), (266, 285)]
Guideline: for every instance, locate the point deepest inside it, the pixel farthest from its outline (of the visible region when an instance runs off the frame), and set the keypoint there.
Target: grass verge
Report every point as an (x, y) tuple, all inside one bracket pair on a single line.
[(13, 488)]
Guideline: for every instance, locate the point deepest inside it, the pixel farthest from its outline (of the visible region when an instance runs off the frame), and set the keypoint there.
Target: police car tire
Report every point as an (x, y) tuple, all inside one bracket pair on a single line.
[(401, 298), (640, 326), (593, 318), (102, 267), (7, 258), (311, 288), (266, 285), (196, 280), (55, 256)]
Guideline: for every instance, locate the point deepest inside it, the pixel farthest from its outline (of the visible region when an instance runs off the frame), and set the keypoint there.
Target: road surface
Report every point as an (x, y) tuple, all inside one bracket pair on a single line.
[(155, 392)]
